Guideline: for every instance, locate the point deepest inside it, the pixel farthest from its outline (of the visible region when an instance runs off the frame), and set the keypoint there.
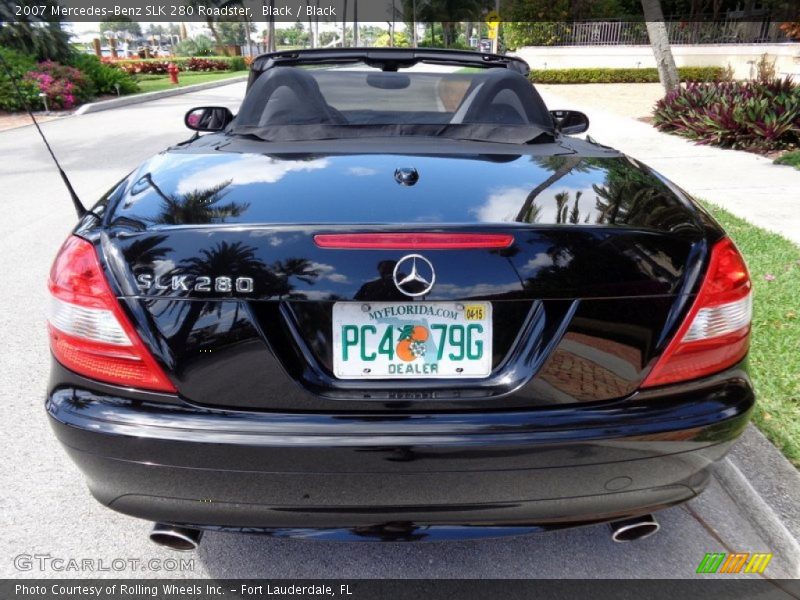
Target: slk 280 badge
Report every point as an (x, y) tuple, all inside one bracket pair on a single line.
[(188, 283)]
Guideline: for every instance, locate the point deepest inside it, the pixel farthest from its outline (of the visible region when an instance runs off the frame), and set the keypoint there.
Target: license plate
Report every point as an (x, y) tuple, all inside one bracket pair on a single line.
[(414, 340)]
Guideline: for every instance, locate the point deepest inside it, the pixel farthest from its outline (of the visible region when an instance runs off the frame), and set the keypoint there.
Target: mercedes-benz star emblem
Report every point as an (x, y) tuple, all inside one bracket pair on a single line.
[(413, 275)]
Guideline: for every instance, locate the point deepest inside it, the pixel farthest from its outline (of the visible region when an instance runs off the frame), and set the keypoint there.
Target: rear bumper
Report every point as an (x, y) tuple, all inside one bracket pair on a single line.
[(265, 471)]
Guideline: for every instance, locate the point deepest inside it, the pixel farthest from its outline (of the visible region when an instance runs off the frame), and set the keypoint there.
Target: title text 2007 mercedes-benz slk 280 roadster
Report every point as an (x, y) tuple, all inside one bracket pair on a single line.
[(394, 298)]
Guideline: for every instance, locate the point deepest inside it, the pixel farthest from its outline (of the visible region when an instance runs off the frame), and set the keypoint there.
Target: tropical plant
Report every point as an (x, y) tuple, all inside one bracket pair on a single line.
[(104, 78), (205, 64), (197, 46), (19, 64), (40, 37), (448, 13), (234, 33), (211, 21), (400, 40), (754, 115)]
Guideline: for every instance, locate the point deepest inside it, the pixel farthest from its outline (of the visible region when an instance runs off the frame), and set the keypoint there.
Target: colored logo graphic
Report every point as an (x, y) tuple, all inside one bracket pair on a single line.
[(737, 562), (412, 342)]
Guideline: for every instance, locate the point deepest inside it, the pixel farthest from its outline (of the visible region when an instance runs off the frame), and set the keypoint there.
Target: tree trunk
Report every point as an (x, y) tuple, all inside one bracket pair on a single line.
[(355, 23), (414, 40), (271, 27), (310, 26), (659, 41)]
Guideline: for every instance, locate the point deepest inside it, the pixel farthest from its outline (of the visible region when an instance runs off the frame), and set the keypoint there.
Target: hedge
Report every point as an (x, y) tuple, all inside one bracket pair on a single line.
[(646, 75), (154, 66)]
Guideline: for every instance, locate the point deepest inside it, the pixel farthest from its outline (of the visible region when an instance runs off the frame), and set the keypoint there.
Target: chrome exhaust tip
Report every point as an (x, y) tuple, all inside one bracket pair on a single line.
[(176, 538), (637, 528)]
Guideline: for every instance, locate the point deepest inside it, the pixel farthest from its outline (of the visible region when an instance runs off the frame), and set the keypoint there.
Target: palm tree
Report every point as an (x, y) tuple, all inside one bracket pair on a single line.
[(448, 13), (210, 20), (41, 37), (659, 41)]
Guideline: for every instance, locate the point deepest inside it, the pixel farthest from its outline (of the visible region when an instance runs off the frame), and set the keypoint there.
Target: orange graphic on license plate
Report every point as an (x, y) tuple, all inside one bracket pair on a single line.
[(412, 342)]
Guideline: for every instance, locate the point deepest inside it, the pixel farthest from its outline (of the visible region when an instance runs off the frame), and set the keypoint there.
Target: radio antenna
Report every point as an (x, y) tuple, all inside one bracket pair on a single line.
[(79, 208)]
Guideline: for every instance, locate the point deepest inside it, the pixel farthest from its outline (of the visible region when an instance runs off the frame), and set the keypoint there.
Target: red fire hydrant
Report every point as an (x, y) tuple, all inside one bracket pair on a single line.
[(172, 69)]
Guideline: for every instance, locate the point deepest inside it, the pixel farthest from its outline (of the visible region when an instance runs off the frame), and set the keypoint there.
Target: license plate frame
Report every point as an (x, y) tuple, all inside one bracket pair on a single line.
[(410, 349)]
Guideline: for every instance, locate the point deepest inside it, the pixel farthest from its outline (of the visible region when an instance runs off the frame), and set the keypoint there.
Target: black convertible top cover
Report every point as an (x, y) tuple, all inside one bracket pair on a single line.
[(300, 104)]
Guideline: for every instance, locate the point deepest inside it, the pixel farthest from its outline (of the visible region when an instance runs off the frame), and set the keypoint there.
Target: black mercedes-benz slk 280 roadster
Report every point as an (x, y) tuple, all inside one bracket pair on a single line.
[(393, 298)]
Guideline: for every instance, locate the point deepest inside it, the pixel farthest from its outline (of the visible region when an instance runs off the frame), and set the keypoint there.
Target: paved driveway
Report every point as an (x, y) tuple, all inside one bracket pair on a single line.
[(47, 510)]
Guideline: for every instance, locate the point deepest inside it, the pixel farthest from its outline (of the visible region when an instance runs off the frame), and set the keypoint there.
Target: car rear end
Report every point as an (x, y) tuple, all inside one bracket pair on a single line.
[(314, 372)]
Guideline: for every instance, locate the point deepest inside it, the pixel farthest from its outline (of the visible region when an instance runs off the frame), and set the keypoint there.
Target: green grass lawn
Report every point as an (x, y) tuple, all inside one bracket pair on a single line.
[(153, 83), (774, 264), (790, 158)]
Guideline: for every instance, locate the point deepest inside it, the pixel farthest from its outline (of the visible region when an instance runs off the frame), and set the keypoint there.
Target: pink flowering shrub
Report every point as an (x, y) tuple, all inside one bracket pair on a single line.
[(64, 86)]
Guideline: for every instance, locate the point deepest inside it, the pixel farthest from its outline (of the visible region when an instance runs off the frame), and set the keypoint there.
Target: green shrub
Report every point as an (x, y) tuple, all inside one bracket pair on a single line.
[(199, 46), (19, 64), (400, 40), (237, 64), (749, 115), (621, 75), (791, 159), (104, 78)]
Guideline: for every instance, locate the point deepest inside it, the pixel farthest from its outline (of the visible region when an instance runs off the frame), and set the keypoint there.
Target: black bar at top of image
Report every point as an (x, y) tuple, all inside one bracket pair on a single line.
[(421, 11), (391, 589)]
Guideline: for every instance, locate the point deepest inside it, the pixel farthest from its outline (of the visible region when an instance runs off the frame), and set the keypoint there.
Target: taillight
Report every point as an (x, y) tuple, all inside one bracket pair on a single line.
[(716, 331), (89, 332)]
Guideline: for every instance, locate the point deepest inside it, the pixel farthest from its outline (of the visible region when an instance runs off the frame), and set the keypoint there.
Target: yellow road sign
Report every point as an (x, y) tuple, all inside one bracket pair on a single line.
[(493, 23)]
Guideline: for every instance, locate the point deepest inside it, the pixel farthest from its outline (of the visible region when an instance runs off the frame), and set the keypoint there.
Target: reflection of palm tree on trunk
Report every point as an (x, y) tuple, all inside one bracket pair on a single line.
[(237, 260), (575, 213), (198, 207), (561, 207), (561, 166), (146, 251), (292, 267)]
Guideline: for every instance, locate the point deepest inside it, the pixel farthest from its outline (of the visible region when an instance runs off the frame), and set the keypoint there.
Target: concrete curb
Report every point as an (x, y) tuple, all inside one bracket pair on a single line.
[(769, 472), (148, 96), (760, 514), (758, 503)]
